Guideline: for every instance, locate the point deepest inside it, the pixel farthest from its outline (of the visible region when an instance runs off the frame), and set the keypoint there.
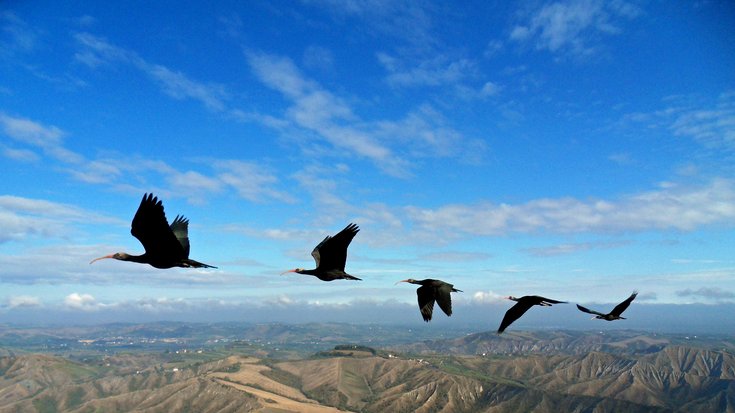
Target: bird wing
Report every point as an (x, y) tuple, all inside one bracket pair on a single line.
[(514, 313), (331, 253), (548, 300), (151, 228), (622, 306), (425, 295), (180, 228), (444, 297), (315, 252), (587, 310)]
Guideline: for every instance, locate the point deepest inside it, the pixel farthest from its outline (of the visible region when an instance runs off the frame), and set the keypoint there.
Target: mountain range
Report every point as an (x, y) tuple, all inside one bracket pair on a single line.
[(485, 372)]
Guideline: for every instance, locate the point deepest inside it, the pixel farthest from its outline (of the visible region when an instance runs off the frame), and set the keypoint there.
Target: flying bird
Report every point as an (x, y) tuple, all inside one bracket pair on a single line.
[(522, 305), (615, 313), (330, 256), (165, 246), (430, 291)]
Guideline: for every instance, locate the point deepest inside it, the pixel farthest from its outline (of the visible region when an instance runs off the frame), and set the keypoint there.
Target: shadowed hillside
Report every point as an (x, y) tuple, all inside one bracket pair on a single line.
[(541, 372)]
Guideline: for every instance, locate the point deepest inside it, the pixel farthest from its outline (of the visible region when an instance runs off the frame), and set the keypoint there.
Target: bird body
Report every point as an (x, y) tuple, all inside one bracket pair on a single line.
[(165, 246), (615, 313), (522, 305), (330, 256), (433, 291)]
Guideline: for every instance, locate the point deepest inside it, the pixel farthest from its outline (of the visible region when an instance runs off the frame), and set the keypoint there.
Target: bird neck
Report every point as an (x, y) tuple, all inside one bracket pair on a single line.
[(142, 259), (307, 272)]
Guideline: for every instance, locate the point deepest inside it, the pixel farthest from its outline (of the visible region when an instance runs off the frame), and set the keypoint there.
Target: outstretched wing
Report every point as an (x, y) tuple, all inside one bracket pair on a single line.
[(587, 310), (547, 301), (331, 253), (514, 313), (315, 252), (425, 295), (151, 228), (444, 297), (622, 306), (180, 228)]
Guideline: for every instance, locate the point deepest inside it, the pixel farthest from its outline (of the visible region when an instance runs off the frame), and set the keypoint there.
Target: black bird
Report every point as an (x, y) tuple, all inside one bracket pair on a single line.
[(522, 305), (330, 256), (430, 291), (165, 246), (615, 313)]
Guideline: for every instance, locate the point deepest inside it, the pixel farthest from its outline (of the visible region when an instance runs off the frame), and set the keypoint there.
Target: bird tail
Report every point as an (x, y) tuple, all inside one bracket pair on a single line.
[(197, 264)]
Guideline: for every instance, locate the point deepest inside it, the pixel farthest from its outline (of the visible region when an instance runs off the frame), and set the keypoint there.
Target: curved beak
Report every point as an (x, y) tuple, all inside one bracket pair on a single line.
[(101, 258), (286, 272), (402, 281)]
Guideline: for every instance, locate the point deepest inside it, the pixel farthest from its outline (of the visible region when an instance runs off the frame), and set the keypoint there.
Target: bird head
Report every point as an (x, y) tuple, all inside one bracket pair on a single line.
[(410, 280), (118, 256), (510, 297), (296, 270)]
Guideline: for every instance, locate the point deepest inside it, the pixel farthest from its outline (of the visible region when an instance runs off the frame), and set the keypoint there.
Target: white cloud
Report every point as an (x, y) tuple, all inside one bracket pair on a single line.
[(21, 218), (713, 127), (22, 155), (251, 181), (23, 301), (572, 25), (19, 36), (405, 20), (179, 86), (83, 302), (563, 249), (317, 110), (96, 51), (487, 297), (46, 138), (668, 208), (429, 72), (708, 293)]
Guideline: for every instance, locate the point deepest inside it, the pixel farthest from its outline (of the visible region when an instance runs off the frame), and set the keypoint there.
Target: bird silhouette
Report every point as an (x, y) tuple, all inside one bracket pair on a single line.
[(615, 313), (430, 291), (165, 246), (330, 256), (522, 305)]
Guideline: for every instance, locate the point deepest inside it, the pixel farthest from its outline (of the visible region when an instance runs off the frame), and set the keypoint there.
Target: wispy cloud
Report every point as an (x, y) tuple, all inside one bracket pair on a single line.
[(406, 20), (96, 51), (709, 293), (47, 138), (390, 144), (313, 111), (668, 208), (248, 179), (455, 256), (430, 72), (23, 301), (19, 36), (709, 123), (713, 127), (563, 249), (318, 110), (573, 26), (21, 218)]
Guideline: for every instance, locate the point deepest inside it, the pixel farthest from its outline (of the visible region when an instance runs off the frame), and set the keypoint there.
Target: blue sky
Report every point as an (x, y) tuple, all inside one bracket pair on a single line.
[(576, 149)]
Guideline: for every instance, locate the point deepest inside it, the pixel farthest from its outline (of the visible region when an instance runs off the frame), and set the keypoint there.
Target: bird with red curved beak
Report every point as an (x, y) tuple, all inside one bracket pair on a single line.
[(431, 291), (165, 246), (330, 256)]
